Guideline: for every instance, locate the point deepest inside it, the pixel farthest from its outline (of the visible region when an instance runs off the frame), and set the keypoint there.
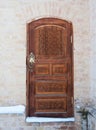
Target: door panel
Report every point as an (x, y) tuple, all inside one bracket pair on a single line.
[(42, 69), (50, 41), (49, 68), (59, 69), (50, 87), (52, 104)]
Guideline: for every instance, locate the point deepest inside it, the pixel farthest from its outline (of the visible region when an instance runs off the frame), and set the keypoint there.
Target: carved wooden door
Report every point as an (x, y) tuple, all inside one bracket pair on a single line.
[(50, 68)]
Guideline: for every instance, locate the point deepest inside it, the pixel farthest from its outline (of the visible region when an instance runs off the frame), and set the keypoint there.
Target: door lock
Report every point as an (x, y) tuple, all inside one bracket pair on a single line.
[(31, 61)]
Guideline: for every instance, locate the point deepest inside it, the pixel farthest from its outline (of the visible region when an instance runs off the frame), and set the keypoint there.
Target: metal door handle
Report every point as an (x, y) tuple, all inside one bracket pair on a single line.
[(31, 61)]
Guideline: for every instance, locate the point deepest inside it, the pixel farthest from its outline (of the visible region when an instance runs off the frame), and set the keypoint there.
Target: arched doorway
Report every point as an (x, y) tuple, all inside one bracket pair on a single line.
[(50, 68)]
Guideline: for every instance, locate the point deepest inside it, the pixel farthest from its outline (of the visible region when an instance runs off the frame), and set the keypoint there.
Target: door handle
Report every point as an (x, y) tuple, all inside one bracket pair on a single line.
[(31, 61)]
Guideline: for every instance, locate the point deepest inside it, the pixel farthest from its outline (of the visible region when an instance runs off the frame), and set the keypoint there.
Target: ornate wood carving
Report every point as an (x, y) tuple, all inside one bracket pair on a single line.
[(42, 69), (50, 84), (51, 105), (50, 41), (52, 87), (59, 69)]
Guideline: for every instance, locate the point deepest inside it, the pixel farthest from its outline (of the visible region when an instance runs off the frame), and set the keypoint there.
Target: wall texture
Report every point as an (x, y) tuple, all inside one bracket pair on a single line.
[(17, 122), (14, 15), (93, 49)]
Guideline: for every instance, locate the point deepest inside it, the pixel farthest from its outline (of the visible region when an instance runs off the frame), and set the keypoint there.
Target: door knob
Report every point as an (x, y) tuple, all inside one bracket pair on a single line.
[(31, 61)]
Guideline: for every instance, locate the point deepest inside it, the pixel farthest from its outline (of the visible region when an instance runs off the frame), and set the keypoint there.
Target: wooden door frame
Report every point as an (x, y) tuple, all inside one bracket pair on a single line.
[(27, 53)]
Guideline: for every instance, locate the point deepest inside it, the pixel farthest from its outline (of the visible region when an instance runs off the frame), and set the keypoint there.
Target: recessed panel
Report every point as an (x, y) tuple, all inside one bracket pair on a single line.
[(51, 41), (51, 87), (59, 69), (42, 69), (51, 105)]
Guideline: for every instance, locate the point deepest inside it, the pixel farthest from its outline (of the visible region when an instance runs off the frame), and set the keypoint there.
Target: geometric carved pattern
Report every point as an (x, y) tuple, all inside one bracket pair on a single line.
[(50, 41), (51, 105), (51, 87), (59, 69)]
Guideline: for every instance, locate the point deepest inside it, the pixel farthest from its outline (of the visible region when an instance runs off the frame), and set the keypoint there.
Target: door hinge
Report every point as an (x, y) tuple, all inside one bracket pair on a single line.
[(71, 39), (72, 100)]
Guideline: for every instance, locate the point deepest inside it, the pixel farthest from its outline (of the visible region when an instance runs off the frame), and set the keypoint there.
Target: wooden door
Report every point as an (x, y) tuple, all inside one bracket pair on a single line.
[(49, 68)]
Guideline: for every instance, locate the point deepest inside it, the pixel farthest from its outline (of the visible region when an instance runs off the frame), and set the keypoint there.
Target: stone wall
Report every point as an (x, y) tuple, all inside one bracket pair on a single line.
[(93, 49), (17, 122), (13, 118), (14, 15)]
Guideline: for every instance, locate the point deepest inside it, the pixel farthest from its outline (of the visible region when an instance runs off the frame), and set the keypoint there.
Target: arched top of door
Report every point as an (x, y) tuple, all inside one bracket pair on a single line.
[(50, 20)]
